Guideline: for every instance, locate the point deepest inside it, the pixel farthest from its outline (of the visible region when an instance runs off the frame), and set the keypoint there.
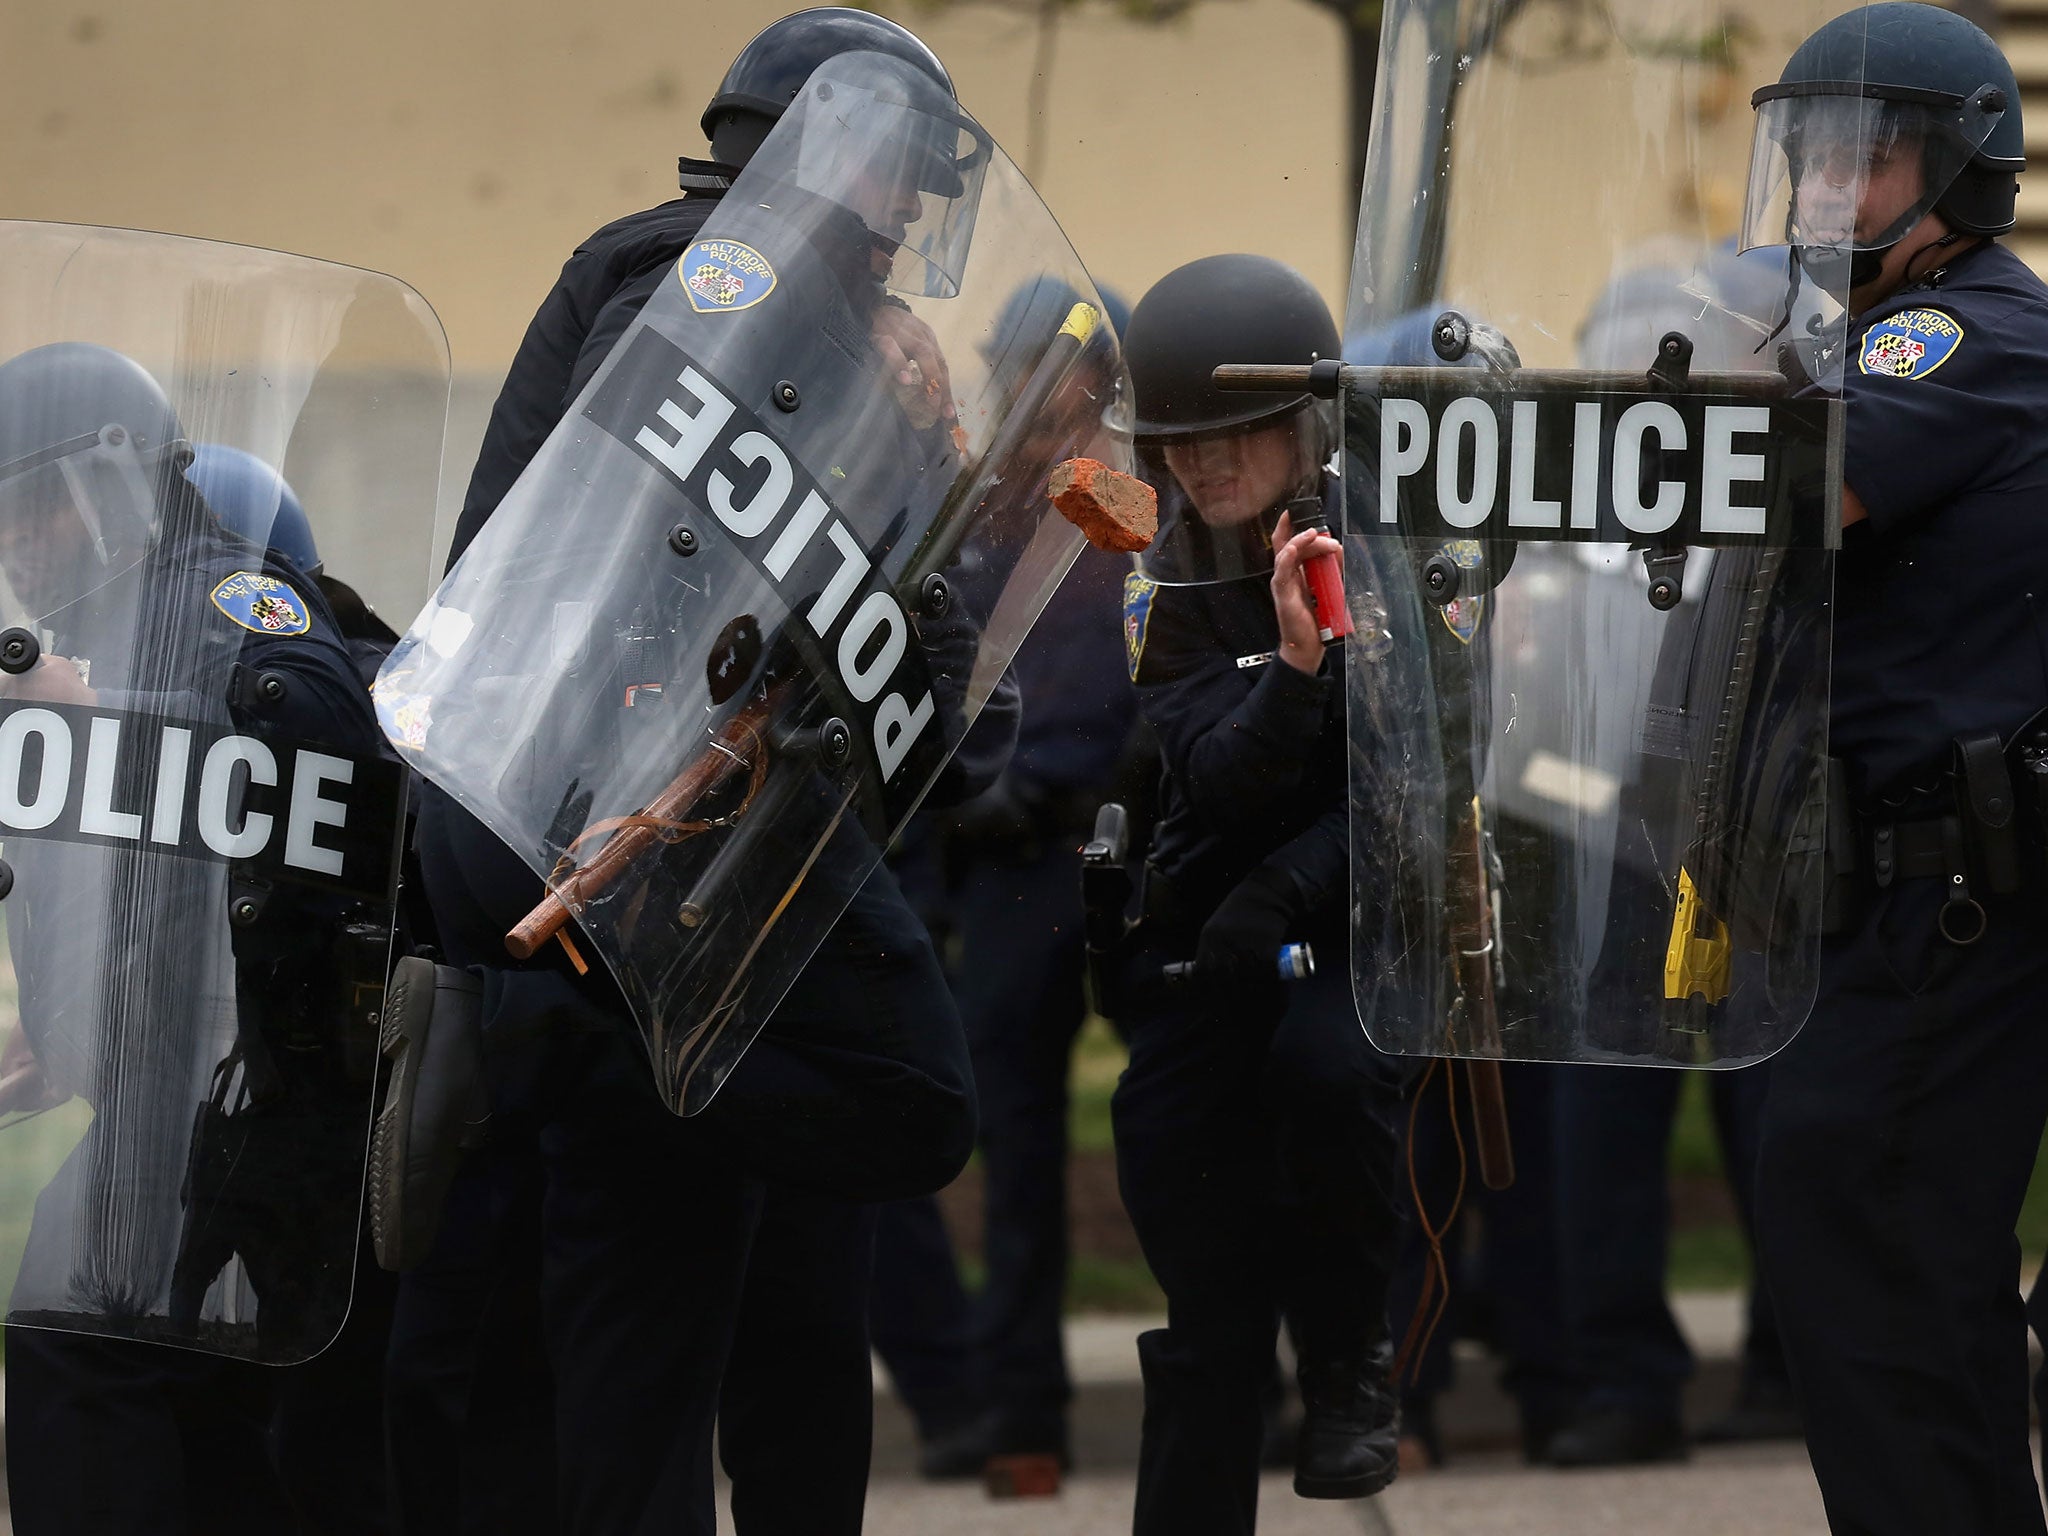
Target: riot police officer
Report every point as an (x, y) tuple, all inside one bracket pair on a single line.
[(610, 274), (1614, 1125), (1004, 871), (156, 611), (1903, 1121), (254, 500), (1255, 1127), (640, 1306)]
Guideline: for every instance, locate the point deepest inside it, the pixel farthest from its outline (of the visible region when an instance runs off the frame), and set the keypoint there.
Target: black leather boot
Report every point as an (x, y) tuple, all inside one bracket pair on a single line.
[(1350, 1446), (1618, 1437)]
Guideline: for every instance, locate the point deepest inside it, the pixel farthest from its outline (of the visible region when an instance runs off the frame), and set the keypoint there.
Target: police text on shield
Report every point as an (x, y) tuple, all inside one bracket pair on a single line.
[(292, 811), (1543, 461), (658, 402)]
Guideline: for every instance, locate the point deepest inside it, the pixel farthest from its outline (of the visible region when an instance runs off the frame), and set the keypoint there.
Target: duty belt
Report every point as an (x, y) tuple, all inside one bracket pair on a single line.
[(1913, 850), (1971, 835), (1934, 850)]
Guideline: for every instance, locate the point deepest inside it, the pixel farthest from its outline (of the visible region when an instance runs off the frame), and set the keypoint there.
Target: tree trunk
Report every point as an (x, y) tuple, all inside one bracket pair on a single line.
[(1040, 99), (1362, 36)]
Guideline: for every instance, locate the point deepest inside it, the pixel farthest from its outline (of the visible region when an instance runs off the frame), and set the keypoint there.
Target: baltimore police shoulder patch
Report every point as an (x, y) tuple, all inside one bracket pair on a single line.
[(719, 276), (1464, 614), (263, 604), (404, 714), (1911, 344), (1138, 592)]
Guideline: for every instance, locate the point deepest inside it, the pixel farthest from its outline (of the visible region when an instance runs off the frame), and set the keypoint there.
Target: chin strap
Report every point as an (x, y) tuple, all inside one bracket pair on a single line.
[(1823, 265), (1791, 298)]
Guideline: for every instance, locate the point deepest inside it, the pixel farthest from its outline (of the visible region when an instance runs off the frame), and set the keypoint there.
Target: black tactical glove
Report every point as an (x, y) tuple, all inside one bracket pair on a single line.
[(1242, 939), (951, 642)]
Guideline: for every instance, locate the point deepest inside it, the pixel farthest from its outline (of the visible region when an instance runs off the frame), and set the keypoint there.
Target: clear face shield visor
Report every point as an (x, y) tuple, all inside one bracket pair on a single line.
[(72, 518), (1836, 170), (910, 170), (1221, 493)]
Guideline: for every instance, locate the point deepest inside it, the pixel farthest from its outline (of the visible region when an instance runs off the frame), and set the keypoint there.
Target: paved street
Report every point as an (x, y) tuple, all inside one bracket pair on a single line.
[(1757, 1491), (1767, 1492), (1724, 1493), (1762, 1491)]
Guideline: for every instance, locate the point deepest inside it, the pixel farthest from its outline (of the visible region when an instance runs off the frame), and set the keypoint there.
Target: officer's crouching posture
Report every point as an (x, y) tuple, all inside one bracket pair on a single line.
[(1255, 1127), (1903, 1121)]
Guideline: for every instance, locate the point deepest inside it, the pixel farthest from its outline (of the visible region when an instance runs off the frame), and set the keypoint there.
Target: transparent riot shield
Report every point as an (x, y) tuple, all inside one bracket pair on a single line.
[(199, 819), (733, 621), (1596, 519)]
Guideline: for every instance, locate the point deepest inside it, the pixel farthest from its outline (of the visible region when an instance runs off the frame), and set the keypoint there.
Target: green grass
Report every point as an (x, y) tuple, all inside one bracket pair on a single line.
[(1098, 1059), (1711, 1257), (1112, 1285), (2033, 1222), (1702, 1258), (1094, 1283), (32, 1148), (1707, 1259), (1695, 1149)]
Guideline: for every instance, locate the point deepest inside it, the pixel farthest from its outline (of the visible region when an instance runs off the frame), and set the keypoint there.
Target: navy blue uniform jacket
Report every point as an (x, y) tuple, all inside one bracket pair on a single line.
[(1941, 595), (1254, 755)]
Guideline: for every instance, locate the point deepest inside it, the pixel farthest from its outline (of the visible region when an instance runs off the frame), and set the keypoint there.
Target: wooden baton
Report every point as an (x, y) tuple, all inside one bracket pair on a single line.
[(636, 834)]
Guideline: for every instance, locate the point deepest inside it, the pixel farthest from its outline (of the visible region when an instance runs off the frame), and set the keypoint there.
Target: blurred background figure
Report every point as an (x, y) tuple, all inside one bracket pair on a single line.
[(1494, 1277), (327, 1420), (921, 1324), (1000, 884), (212, 1202), (254, 500), (1614, 1124), (1503, 1278)]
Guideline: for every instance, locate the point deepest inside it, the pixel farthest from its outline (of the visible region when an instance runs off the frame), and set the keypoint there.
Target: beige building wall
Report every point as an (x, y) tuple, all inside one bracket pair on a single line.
[(466, 145)]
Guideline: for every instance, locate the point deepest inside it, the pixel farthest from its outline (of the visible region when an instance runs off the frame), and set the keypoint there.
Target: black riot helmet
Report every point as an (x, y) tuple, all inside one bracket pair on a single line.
[(768, 73), (1881, 88), (90, 451), (1226, 464), (1220, 309)]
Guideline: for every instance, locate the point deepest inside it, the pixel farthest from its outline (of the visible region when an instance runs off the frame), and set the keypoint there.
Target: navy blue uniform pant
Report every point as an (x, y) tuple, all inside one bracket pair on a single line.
[(1022, 1001), (1257, 1158), (796, 1412), (644, 1244), (1019, 987), (472, 1401), (1513, 1279), (469, 1397), (136, 1440), (2037, 1319), (109, 1436), (1899, 1134), (859, 1088), (921, 1317), (1614, 1129)]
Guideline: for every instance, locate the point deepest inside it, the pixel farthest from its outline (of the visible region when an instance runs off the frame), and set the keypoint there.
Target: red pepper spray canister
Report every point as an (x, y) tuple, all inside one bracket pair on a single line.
[(1325, 574)]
